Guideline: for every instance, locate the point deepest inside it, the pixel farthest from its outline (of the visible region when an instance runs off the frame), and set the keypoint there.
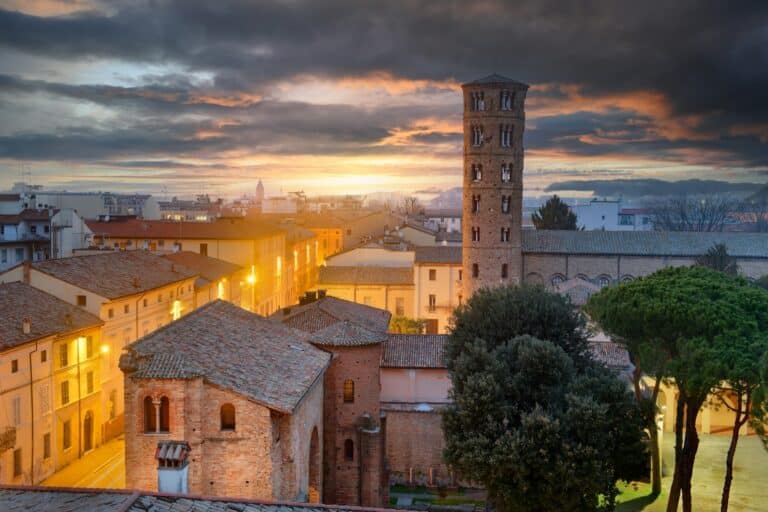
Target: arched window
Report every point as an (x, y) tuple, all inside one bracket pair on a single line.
[(227, 414), (349, 450), (504, 270), (165, 414), (506, 173), (557, 279), (149, 414), (603, 280), (626, 278), (349, 391), (475, 270)]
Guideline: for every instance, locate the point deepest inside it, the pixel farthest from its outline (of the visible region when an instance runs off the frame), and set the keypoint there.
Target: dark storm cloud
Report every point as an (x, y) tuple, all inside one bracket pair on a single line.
[(653, 187)]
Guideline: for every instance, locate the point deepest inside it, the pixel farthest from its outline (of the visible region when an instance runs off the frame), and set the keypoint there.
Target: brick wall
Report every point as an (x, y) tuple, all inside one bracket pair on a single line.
[(414, 448)]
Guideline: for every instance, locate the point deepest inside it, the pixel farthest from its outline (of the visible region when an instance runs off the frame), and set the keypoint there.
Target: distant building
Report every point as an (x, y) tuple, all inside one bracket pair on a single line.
[(447, 220), (51, 395), (610, 215), (88, 205), (279, 205), (200, 209)]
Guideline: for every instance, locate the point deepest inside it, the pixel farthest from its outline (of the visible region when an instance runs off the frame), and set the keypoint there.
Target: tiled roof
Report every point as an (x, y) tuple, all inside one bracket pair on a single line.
[(438, 254), (28, 215), (116, 274), (50, 499), (365, 275), (210, 269), (418, 227), (643, 243), (321, 314), (294, 233), (414, 351), (496, 79), (48, 315), (222, 229), (235, 349), (611, 354), (347, 334), (446, 212)]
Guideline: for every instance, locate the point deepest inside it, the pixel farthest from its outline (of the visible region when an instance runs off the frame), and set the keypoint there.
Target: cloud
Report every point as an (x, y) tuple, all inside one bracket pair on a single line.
[(653, 187)]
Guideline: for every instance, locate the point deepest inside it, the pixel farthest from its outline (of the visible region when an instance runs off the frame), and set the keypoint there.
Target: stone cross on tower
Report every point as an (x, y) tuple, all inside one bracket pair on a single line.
[(494, 119)]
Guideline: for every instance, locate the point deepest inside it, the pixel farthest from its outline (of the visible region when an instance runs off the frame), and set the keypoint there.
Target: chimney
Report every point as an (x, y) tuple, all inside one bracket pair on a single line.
[(135, 281), (311, 296), (287, 311), (26, 325), (26, 270), (321, 294)]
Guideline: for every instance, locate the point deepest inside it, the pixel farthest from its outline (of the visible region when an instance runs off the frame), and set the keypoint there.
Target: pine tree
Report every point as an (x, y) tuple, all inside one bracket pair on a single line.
[(555, 214)]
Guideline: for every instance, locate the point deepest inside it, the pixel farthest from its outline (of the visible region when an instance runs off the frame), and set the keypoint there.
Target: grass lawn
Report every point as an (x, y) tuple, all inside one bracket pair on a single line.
[(636, 497)]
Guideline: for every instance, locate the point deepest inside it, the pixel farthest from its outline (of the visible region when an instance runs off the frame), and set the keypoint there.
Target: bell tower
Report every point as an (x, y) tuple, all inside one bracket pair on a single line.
[(494, 119)]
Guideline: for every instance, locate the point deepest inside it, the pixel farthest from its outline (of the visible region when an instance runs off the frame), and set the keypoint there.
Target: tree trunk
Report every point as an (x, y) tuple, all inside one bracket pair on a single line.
[(650, 424), (655, 461), (689, 453), (674, 491), (742, 414)]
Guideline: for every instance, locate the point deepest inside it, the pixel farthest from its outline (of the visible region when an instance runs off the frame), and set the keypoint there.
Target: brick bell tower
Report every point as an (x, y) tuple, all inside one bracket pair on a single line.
[(494, 119)]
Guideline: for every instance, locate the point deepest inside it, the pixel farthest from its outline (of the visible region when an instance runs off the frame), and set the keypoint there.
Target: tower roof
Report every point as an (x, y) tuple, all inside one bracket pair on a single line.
[(496, 79)]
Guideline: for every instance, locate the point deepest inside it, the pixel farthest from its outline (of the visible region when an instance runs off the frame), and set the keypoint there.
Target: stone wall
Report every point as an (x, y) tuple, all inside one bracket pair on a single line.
[(415, 448)]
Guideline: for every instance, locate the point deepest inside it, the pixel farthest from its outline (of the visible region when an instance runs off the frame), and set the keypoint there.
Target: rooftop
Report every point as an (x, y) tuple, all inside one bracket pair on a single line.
[(643, 243), (210, 269), (222, 229), (414, 351), (496, 79), (321, 314), (25, 215), (438, 254), (42, 499), (116, 274), (267, 362), (365, 275), (47, 314)]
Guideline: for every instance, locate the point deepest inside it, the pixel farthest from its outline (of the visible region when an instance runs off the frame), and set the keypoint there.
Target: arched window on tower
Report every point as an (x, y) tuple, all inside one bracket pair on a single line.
[(478, 101), (505, 135), (475, 204), (477, 135), (477, 172), (506, 173), (506, 100), (505, 204), (227, 416), (349, 450), (475, 270), (505, 234), (504, 270), (475, 234), (349, 391)]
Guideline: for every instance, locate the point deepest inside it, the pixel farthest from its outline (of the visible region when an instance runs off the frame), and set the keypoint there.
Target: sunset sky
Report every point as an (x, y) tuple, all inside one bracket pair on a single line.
[(333, 96)]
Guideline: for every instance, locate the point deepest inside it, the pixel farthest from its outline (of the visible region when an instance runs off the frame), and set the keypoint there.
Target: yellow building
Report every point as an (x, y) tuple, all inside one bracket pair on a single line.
[(218, 279), (437, 274), (257, 246), (51, 398), (133, 293)]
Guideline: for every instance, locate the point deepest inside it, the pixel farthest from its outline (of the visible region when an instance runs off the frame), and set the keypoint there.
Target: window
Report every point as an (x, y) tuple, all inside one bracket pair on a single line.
[(477, 172), (433, 274), (477, 136), (89, 382), (399, 306), (227, 414), (505, 200), (349, 391), (461, 273), (17, 411), (506, 100), (19, 254), (432, 303), (33, 229), (149, 415), (475, 270), (126, 308), (112, 404), (65, 392), (176, 246), (603, 280), (88, 347), (204, 249), (349, 232), (475, 204), (477, 101), (43, 356), (14, 366), (159, 298), (3, 255), (111, 313), (17, 462), (557, 279), (81, 300), (66, 435), (506, 173), (47, 445), (504, 270), (505, 234), (349, 450), (63, 355), (165, 414), (505, 135), (145, 302), (475, 234)]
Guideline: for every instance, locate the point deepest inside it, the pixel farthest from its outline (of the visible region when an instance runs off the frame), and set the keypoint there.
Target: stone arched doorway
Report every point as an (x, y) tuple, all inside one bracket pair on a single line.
[(314, 467), (88, 432)]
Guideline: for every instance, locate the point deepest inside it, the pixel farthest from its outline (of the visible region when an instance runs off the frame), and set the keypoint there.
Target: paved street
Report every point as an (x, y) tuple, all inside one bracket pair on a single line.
[(104, 467)]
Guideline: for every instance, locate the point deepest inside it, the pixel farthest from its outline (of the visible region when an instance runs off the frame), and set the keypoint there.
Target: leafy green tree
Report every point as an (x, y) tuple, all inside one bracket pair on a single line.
[(405, 325), (555, 214), (717, 258), (538, 423), (679, 323)]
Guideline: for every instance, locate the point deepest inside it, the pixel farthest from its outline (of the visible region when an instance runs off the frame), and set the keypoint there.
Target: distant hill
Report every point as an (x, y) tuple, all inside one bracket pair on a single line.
[(447, 199), (654, 187)]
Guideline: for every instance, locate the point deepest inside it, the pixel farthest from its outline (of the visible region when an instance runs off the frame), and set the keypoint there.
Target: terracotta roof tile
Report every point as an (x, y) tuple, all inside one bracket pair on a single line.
[(438, 254), (347, 334), (222, 229), (414, 351), (365, 275), (235, 349), (210, 269), (48, 315), (116, 274)]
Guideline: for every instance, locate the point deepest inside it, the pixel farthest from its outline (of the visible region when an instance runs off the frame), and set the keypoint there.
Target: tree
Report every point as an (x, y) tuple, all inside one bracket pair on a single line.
[(538, 423), (707, 213), (680, 322), (717, 258), (410, 205), (762, 282), (555, 214), (405, 325)]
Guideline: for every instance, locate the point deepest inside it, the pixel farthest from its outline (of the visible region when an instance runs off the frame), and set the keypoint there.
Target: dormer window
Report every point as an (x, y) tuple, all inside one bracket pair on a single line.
[(505, 135), (475, 204), (477, 136), (506, 100), (477, 172), (506, 173), (478, 101)]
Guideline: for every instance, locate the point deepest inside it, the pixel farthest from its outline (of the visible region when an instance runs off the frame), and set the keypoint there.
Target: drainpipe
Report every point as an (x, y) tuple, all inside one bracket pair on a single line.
[(32, 413), (79, 404)]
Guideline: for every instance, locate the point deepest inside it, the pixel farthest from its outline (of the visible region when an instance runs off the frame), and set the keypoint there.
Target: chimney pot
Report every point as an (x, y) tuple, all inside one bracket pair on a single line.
[(27, 325), (135, 281)]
